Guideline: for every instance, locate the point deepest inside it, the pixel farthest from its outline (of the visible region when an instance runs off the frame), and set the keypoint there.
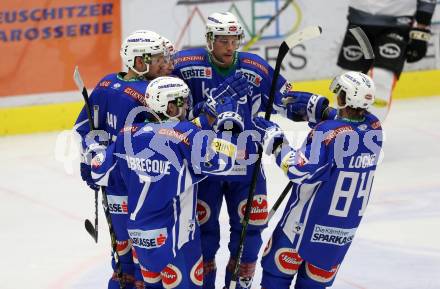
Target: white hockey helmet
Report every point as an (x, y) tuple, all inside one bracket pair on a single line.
[(170, 50), (223, 23), (358, 87), (163, 90), (142, 43)]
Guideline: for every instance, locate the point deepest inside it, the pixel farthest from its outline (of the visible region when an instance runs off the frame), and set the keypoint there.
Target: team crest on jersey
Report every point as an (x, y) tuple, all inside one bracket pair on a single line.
[(171, 276), (197, 272), (203, 212), (196, 72), (259, 213), (268, 247), (117, 204), (321, 275), (150, 277), (149, 239), (287, 260), (252, 77), (123, 247)]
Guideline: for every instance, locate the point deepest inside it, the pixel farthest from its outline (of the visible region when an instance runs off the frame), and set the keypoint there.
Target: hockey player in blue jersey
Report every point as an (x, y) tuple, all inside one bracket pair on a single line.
[(333, 174), (113, 99), (160, 163), (203, 69)]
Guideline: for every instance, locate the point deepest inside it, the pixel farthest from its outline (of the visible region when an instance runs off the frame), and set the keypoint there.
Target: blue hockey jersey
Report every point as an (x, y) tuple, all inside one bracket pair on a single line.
[(202, 77), (332, 173), (111, 102), (160, 165)]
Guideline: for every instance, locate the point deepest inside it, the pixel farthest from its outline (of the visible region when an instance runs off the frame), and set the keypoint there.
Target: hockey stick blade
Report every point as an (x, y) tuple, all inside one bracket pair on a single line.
[(91, 230), (363, 41), (78, 80), (303, 35)]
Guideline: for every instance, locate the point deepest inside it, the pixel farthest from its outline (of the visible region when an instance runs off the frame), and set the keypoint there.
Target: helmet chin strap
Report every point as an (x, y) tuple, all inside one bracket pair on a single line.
[(141, 73)]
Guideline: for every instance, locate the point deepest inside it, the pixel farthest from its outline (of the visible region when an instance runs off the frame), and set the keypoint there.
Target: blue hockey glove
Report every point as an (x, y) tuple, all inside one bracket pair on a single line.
[(228, 116), (305, 106), (234, 87), (85, 167), (271, 134)]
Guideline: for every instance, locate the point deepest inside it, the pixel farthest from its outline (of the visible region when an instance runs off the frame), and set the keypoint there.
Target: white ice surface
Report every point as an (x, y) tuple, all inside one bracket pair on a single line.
[(43, 207)]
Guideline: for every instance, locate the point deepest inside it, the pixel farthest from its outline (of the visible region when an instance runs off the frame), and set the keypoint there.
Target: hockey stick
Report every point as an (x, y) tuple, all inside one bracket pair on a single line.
[(264, 27), (368, 53), (291, 41), (93, 231)]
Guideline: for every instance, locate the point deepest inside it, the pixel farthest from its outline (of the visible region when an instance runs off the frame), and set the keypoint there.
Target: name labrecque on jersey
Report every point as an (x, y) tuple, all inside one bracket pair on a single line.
[(332, 236), (148, 165), (196, 72)]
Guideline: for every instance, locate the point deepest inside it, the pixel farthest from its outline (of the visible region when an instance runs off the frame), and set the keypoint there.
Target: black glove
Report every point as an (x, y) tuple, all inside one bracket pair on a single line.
[(418, 44)]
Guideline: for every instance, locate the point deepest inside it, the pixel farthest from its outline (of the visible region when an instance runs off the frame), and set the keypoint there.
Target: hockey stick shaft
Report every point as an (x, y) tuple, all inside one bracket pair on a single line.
[(291, 41), (80, 84), (368, 53), (92, 230)]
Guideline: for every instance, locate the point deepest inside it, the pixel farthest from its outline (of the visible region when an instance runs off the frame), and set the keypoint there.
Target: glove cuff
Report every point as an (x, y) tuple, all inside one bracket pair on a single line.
[(229, 121), (317, 103), (418, 34)]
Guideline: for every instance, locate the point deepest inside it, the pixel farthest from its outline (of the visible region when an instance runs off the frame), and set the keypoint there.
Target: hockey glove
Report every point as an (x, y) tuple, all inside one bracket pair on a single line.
[(228, 116), (271, 134), (305, 106), (85, 167), (418, 44), (235, 87)]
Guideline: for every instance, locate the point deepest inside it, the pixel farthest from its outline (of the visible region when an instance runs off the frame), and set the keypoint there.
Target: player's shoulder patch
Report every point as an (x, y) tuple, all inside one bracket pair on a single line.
[(107, 80), (373, 121), (130, 128), (253, 61)]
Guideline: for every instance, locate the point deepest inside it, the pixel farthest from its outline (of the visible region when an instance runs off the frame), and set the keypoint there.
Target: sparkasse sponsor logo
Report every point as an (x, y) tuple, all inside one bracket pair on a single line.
[(149, 239), (117, 204), (332, 236)]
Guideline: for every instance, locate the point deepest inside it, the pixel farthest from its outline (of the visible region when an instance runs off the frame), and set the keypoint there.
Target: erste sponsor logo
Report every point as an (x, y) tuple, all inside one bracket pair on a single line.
[(196, 72)]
